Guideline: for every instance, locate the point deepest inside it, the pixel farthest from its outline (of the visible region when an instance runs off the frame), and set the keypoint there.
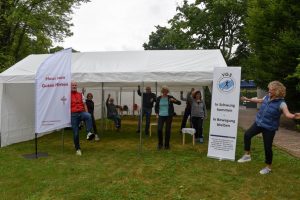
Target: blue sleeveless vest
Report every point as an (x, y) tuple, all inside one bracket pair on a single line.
[(269, 113)]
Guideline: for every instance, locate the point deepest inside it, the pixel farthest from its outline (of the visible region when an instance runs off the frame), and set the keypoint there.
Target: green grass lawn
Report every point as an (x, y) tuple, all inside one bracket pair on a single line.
[(115, 168)]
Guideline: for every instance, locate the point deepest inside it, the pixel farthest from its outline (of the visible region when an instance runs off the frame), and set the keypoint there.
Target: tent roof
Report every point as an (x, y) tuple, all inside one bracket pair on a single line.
[(127, 68)]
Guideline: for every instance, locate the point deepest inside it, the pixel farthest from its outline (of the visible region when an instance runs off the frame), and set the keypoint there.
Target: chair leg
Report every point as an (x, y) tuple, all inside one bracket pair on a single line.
[(183, 138), (193, 139)]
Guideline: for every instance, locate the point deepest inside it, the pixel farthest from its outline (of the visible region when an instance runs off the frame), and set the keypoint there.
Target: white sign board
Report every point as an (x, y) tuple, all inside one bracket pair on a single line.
[(53, 92), (224, 113)]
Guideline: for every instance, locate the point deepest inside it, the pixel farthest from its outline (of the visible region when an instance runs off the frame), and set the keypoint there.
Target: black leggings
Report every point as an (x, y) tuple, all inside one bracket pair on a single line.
[(268, 137)]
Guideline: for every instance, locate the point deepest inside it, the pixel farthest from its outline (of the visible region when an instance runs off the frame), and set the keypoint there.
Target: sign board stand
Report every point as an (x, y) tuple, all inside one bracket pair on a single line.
[(224, 113)]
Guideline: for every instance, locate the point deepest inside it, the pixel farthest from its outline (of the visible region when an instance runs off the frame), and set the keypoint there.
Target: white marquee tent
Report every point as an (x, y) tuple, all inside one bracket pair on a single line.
[(111, 70)]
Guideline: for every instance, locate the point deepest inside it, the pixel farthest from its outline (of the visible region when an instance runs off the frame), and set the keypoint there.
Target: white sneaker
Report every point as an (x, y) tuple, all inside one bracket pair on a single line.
[(78, 152), (90, 136), (244, 158), (265, 170), (97, 137)]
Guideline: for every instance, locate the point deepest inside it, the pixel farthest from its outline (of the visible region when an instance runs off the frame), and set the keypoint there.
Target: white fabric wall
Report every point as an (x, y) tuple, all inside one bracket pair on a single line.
[(17, 113)]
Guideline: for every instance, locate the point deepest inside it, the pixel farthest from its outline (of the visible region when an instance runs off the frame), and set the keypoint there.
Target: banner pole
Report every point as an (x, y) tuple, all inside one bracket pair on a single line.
[(141, 117), (63, 139)]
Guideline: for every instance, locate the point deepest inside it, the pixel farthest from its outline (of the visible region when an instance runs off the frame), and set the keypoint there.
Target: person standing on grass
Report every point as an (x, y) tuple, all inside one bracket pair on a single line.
[(267, 122), (187, 110), (148, 100), (164, 110), (90, 106), (79, 113), (198, 113)]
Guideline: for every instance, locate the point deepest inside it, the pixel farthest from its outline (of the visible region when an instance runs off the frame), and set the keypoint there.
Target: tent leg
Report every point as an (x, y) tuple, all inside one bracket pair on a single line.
[(102, 106), (36, 153), (141, 118)]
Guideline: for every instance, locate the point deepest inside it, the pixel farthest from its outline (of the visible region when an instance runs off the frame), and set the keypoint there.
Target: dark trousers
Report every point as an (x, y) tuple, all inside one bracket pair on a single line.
[(161, 121), (197, 125), (147, 112), (268, 137), (187, 113), (116, 119), (94, 123)]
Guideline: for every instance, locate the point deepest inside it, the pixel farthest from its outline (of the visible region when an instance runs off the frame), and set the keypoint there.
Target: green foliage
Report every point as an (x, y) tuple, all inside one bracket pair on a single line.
[(114, 169), (296, 76), (205, 24), (273, 31), (30, 26)]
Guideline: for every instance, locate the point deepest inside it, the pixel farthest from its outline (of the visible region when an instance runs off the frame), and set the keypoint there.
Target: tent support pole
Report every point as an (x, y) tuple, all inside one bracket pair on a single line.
[(102, 106), (141, 118), (156, 89), (36, 154), (121, 110), (133, 102)]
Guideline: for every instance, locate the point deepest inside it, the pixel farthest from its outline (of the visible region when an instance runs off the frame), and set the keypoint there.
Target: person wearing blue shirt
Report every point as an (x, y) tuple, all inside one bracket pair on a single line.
[(164, 110), (267, 122)]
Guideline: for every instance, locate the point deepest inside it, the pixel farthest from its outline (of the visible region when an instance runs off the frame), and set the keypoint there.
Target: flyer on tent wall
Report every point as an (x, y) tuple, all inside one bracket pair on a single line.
[(53, 92), (224, 113)]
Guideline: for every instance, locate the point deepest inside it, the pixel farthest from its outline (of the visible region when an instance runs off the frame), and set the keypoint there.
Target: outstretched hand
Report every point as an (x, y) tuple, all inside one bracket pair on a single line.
[(244, 98), (297, 115)]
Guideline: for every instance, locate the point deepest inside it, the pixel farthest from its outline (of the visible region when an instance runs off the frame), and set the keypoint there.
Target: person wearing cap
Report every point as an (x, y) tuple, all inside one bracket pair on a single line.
[(164, 110), (79, 113), (148, 100)]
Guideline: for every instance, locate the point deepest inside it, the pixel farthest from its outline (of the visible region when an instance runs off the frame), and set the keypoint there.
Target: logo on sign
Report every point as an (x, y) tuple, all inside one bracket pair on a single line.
[(226, 83)]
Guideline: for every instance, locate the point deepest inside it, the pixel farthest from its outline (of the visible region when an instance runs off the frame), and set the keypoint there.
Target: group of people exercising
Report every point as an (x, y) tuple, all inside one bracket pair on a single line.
[(266, 122)]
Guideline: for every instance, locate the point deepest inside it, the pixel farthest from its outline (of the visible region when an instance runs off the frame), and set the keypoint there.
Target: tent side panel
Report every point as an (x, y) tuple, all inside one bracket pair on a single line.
[(17, 113)]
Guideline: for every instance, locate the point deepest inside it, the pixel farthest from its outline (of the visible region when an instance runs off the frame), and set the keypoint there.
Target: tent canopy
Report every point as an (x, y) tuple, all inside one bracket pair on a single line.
[(175, 68), (127, 68)]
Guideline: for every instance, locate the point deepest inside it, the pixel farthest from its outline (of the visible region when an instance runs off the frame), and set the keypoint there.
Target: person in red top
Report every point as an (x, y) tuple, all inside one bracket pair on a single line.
[(79, 113)]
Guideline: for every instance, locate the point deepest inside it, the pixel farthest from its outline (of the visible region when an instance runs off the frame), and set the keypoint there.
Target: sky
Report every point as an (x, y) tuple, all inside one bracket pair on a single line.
[(118, 25)]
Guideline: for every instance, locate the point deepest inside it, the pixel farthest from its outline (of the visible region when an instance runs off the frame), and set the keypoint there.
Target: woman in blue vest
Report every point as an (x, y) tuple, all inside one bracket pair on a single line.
[(267, 122), (164, 110)]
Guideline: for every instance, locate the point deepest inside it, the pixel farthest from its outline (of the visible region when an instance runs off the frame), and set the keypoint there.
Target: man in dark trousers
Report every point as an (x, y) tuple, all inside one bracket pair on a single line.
[(187, 110), (148, 100)]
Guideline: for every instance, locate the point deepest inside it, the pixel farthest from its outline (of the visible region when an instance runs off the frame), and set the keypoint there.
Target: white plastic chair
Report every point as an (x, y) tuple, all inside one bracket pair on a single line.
[(190, 131)]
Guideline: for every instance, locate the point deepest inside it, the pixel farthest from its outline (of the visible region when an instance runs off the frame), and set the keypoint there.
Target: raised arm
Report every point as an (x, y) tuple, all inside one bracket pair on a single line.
[(107, 99), (139, 91), (181, 96)]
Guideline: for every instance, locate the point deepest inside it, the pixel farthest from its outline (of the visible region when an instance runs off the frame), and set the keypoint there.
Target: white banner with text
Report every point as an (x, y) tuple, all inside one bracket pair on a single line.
[(53, 92), (224, 113)]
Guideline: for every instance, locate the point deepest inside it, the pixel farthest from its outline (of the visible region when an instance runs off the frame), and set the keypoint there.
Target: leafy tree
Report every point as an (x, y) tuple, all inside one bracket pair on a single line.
[(205, 24), (273, 32), (30, 26)]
